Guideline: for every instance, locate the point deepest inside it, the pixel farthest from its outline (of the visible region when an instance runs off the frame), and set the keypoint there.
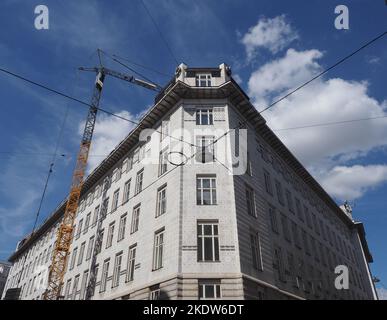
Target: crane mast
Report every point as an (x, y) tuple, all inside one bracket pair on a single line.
[(65, 231)]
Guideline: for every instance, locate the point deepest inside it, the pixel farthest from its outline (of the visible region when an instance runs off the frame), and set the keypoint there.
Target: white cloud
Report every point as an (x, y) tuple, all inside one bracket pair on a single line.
[(323, 150), (273, 34), (382, 293), (108, 132), (352, 182)]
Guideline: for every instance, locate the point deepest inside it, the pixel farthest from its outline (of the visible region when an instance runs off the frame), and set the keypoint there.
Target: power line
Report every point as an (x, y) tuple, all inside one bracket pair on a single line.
[(330, 123), (141, 66), (325, 71), (159, 31), (83, 102)]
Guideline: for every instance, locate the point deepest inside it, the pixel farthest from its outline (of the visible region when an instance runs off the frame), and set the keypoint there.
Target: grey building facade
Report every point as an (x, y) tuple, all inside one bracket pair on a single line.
[(4, 271), (193, 226)]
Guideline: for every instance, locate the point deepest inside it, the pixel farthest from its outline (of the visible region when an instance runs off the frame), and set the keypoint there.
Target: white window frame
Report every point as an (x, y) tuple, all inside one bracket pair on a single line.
[(117, 270), (200, 189), (139, 181), (203, 79), (208, 283), (201, 241), (131, 263), (122, 227), (201, 112), (126, 194), (158, 250), (161, 207), (110, 234), (135, 219), (105, 275), (116, 196)]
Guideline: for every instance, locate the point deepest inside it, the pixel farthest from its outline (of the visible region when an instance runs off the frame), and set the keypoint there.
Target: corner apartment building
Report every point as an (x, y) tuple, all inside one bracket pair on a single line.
[(190, 226)]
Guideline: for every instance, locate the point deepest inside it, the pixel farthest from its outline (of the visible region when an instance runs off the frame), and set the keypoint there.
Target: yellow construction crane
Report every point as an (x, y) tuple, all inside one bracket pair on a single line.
[(65, 232)]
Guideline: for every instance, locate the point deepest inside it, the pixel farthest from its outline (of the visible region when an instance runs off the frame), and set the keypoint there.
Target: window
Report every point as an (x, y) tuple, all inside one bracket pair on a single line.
[(135, 219), (306, 242), (139, 179), (285, 227), (249, 170), (250, 201), (204, 117), (256, 250), (81, 252), (79, 229), (273, 219), (299, 210), (110, 235), (75, 287), (87, 222), (161, 201), (73, 257), (115, 200), (131, 263), (290, 201), (126, 191), (158, 250), (278, 263), (122, 227), (208, 241), (154, 294), (84, 284), (95, 216), (289, 270), (296, 236), (206, 190), (163, 161), (268, 186), (209, 289), (280, 194), (90, 248), (105, 273), (203, 80), (164, 129), (117, 270), (130, 163), (205, 151), (116, 174), (67, 290)]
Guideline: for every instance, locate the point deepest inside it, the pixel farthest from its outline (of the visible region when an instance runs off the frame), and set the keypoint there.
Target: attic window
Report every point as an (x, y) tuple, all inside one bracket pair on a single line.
[(203, 80)]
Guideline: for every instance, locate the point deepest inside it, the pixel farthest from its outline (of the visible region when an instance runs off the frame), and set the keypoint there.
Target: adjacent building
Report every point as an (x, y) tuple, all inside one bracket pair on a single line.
[(226, 211), (4, 270)]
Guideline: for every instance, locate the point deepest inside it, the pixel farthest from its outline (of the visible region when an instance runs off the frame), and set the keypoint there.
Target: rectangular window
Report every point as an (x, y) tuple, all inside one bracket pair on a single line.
[(280, 193), (161, 201), (84, 284), (209, 289), (67, 290), (87, 223), (79, 230), (256, 250), (250, 201), (75, 287), (273, 219), (95, 216), (117, 270), (122, 227), (205, 149), (163, 161), (116, 195), (164, 129), (105, 273), (206, 190), (81, 252), (290, 201), (285, 227), (204, 117), (154, 294), (158, 248), (73, 257), (249, 169), (135, 219), (296, 236), (278, 263), (126, 191), (306, 242), (131, 263), (299, 210), (203, 80), (90, 248), (139, 180), (110, 235), (208, 241), (268, 186)]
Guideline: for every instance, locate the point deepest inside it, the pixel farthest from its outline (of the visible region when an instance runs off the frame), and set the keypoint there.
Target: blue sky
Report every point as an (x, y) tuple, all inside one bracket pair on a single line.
[(272, 46)]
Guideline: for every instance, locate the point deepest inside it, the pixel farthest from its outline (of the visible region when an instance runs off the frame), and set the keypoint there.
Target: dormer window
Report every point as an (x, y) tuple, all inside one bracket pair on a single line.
[(203, 80)]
